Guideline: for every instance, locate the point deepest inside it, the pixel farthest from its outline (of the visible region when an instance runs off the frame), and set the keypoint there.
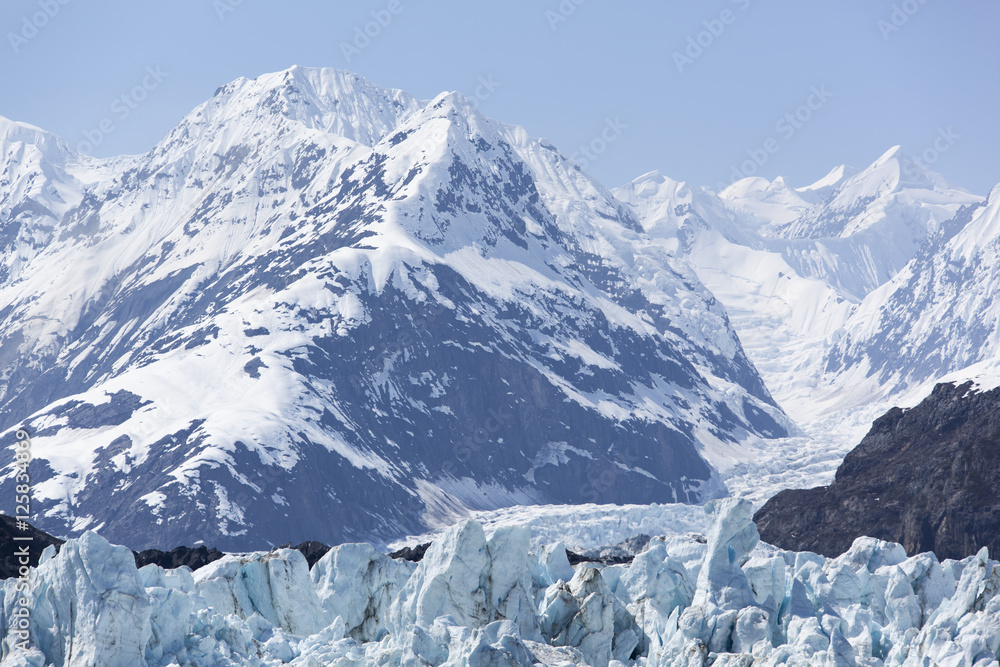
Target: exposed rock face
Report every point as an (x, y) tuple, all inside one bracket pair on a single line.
[(928, 478), (412, 554), (194, 558), (311, 549)]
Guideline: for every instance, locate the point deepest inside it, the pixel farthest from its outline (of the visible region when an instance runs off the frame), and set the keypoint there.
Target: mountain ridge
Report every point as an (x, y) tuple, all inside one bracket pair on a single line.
[(275, 317)]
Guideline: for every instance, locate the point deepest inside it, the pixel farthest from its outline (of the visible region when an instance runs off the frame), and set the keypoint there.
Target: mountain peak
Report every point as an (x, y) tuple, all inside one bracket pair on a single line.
[(406, 300), (15, 132), (332, 101), (994, 194), (455, 107), (654, 176), (896, 170), (651, 185), (894, 153), (832, 180), (744, 187)]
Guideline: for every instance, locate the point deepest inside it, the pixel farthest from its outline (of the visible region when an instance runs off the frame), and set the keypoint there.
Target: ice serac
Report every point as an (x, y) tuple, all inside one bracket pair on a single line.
[(731, 537), (723, 613), (314, 284), (275, 586), (656, 583), (358, 583), (733, 601), (86, 607), (471, 580), (553, 564)]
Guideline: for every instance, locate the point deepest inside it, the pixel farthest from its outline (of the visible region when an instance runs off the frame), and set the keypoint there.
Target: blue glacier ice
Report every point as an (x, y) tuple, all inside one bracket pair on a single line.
[(479, 600)]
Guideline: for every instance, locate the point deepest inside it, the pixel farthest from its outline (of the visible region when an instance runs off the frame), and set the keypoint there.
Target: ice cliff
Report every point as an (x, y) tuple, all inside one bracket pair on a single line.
[(478, 599)]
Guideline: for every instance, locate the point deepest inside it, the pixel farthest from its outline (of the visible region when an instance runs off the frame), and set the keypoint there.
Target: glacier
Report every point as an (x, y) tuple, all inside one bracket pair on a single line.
[(721, 599)]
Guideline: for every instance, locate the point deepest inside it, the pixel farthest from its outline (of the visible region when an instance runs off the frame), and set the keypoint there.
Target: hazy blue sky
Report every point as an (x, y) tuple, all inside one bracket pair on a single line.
[(561, 68)]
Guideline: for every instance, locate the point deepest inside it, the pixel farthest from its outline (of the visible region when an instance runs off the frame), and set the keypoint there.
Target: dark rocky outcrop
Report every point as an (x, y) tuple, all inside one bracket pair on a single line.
[(312, 550), (927, 478), (605, 559), (10, 561), (412, 554), (10, 546), (202, 556), (191, 557), (622, 553)]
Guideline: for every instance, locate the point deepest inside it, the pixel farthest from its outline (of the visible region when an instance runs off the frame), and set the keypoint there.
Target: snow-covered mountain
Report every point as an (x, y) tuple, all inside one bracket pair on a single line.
[(792, 265), (320, 309), (938, 317), (803, 273)]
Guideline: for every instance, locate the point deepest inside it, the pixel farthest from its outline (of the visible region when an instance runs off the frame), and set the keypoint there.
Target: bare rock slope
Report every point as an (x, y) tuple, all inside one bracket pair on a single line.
[(927, 478)]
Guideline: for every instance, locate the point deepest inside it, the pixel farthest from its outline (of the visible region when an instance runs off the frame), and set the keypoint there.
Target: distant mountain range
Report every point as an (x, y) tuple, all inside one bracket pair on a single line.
[(801, 271)]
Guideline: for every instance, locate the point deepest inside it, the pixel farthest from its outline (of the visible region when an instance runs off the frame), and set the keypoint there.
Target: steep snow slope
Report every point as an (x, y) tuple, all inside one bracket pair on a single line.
[(41, 180), (780, 313), (792, 265), (936, 317), (319, 309)]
